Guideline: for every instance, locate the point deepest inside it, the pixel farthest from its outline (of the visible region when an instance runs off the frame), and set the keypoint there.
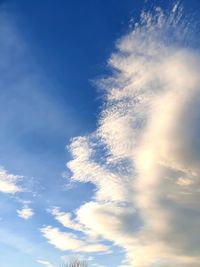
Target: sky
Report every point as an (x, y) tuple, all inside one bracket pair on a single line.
[(99, 133)]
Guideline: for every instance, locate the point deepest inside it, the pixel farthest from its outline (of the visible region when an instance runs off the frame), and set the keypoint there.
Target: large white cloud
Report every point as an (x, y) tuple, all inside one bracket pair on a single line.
[(144, 157)]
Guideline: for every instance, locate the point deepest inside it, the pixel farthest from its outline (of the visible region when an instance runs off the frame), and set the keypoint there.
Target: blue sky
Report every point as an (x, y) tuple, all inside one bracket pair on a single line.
[(74, 141)]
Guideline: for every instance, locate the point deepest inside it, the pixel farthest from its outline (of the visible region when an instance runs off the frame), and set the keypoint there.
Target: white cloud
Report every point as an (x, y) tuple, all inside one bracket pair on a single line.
[(144, 157), (45, 263), (68, 241), (90, 171), (25, 213), (65, 219), (9, 183)]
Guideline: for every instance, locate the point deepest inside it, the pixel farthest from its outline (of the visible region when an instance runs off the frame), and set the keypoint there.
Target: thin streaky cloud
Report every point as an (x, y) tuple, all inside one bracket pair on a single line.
[(45, 263)]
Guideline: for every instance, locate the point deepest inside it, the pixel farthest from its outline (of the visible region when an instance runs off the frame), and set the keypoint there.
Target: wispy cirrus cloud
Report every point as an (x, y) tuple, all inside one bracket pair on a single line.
[(45, 263), (65, 241)]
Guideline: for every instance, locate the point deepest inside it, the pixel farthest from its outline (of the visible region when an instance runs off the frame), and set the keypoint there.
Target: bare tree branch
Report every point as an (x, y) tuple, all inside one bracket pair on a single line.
[(75, 262)]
